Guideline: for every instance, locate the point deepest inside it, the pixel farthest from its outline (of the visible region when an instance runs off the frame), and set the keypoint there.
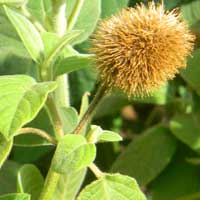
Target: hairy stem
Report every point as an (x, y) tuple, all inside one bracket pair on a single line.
[(91, 109), (97, 172), (55, 118), (74, 15), (49, 185), (38, 132)]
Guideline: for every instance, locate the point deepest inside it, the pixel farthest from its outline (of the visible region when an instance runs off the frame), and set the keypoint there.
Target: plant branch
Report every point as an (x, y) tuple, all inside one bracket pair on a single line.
[(59, 21), (74, 15), (38, 132), (49, 185), (97, 172), (55, 118), (91, 109)]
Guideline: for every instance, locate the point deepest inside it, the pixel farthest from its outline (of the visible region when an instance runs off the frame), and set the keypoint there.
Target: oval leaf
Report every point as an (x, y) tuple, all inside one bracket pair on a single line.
[(21, 98), (28, 34), (142, 159), (5, 148), (83, 22), (192, 71), (69, 118), (186, 128), (15, 197), (30, 180), (112, 187), (73, 153)]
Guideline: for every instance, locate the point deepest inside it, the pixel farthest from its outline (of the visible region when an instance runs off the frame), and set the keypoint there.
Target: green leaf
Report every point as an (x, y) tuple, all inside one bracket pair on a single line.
[(12, 2), (37, 9), (30, 180), (112, 6), (73, 63), (57, 48), (190, 12), (12, 46), (28, 34), (83, 22), (5, 148), (112, 187), (84, 104), (73, 153), (69, 185), (147, 156), (192, 71), (178, 180), (186, 128), (69, 118), (96, 134), (15, 197), (21, 98), (8, 177)]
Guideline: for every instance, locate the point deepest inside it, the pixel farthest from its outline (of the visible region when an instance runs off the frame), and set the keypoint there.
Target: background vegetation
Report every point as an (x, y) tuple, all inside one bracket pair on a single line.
[(161, 146)]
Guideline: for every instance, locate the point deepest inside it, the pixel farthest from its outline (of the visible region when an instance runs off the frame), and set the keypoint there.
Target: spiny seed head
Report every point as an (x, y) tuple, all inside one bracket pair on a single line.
[(140, 48)]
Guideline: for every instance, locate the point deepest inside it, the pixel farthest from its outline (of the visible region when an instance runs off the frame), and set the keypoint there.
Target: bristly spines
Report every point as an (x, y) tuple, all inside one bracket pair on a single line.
[(140, 48)]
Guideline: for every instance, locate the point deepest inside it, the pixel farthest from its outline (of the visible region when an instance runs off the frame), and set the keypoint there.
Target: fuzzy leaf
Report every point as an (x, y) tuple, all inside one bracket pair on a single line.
[(30, 181), (28, 34), (112, 186), (21, 98), (73, 153), (5, 148), (69, 118)]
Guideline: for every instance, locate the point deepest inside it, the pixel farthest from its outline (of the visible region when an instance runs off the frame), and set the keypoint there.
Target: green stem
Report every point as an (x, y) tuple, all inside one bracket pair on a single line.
[(59, 21), (38, 132), (55, 118), (97, 172), (91, 109), (49, 185), (74, 15)]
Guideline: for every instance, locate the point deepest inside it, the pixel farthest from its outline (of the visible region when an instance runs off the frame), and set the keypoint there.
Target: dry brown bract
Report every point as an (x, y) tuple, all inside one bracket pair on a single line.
[(141, 48)]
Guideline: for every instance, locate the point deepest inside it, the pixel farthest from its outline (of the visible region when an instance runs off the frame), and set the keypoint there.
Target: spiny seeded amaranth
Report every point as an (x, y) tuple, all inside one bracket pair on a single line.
[(140, 48)]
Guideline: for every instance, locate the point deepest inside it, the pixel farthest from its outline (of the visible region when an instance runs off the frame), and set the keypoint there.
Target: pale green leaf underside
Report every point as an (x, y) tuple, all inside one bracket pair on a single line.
[(28, 34), (30, 180), (109, 136), (112, 187), (73, 153), (5, 148), (21, 98), (15, 197)]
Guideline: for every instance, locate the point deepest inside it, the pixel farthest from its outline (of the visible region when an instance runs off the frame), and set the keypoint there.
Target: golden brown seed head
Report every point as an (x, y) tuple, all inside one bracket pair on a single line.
[(141, 48)]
